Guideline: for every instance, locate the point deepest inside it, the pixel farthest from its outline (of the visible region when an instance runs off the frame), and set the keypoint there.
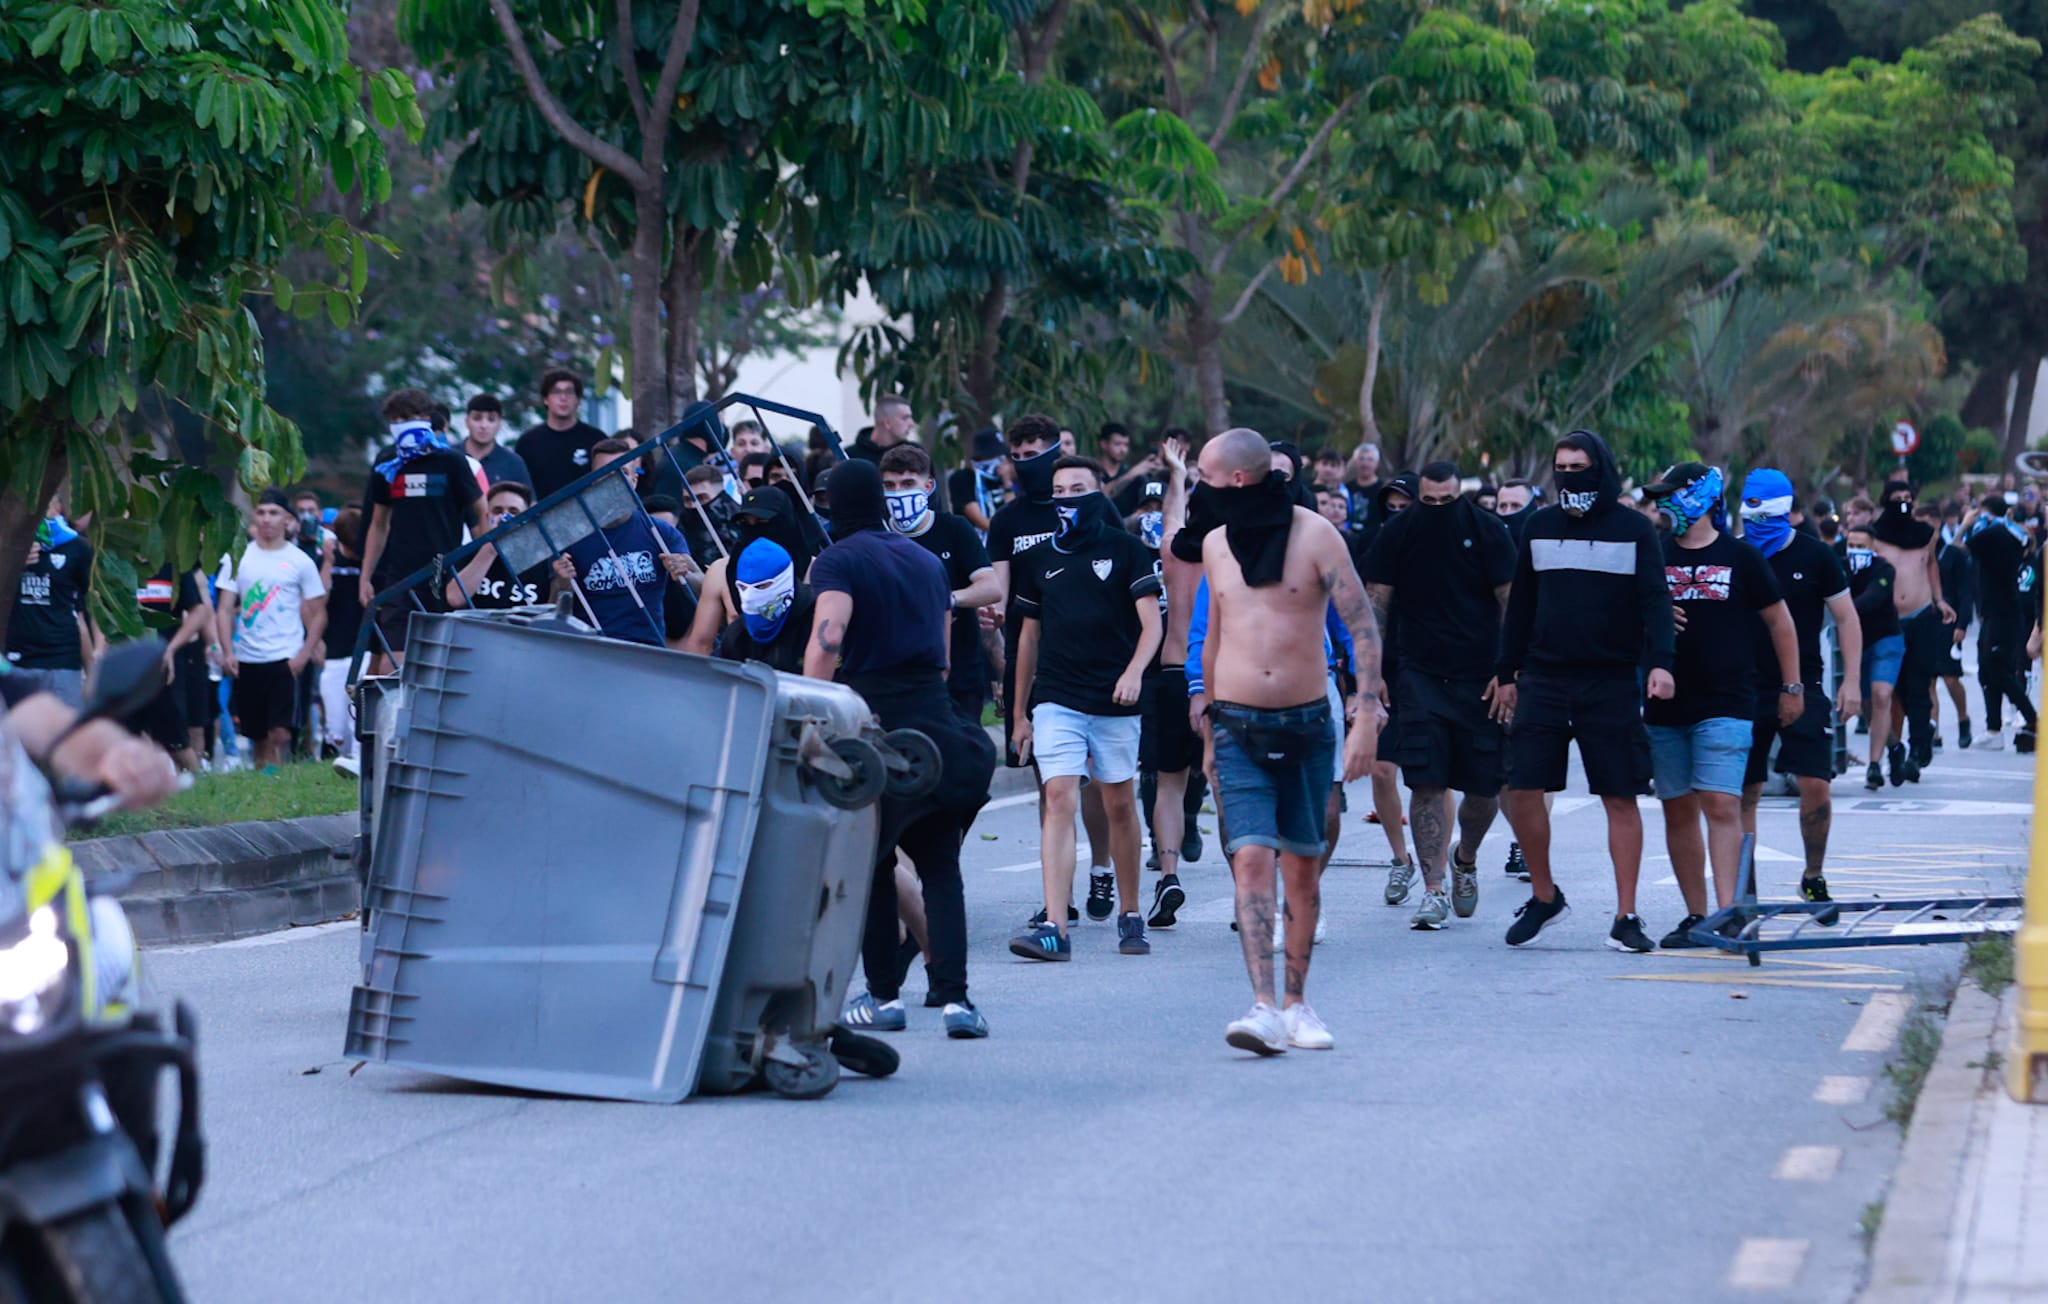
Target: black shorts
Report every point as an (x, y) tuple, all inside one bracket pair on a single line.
[(1445, 738), (197, 691), (1605, 718), (265, 698), (1168, 745), (163, 720), (1806, 749)]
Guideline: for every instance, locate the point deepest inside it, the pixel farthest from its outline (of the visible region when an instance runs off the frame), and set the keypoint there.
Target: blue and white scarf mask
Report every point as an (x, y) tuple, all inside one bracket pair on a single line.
[(1767, 510), (907, 508), (412, 440), (766, 579), (1698, 501)]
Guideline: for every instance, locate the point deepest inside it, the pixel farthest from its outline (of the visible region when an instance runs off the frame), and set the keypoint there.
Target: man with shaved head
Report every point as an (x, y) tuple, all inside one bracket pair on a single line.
[(1273, 569)]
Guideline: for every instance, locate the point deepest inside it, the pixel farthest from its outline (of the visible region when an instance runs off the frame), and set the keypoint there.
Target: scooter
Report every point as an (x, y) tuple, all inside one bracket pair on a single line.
[(82, 1214)]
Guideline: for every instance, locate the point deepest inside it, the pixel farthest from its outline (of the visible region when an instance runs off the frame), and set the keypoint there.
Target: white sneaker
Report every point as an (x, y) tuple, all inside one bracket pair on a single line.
[(1280, 928), (1990, 742), (1261, 1031), (1322, 927), (348, 767), (1305, 1030)]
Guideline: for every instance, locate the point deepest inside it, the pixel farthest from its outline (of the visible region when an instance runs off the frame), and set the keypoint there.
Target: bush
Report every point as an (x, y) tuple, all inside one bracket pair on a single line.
[(1980, 453)]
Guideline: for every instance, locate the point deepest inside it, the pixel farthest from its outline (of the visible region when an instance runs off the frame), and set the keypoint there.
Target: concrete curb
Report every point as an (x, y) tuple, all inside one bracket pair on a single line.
[(233, 880), (1911, 1261)]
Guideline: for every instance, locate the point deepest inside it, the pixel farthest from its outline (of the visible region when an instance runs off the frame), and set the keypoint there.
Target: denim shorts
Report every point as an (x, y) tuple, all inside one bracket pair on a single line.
[(1275, 804), (1881, 661), (1711, 756), (1072, 744)]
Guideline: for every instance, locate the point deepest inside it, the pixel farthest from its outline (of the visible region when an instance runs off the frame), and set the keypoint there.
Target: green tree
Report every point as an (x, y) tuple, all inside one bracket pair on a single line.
[(157, 163)]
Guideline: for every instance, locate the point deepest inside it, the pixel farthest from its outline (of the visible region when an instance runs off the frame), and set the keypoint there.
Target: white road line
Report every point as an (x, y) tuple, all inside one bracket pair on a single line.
[(1004, 803), (1808, 1163), (1765, 1264), (262, 939), (1878, 1026), (1842, 1089)]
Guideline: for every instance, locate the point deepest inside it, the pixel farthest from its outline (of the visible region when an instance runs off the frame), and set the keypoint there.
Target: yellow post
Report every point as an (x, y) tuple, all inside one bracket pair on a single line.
[(2027, 1065)]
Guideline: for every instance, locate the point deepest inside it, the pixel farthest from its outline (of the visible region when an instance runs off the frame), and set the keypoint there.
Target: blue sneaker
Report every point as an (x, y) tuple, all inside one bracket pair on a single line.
[(1044, 942), (864, 1011), (1130, 934), (964, 1022)]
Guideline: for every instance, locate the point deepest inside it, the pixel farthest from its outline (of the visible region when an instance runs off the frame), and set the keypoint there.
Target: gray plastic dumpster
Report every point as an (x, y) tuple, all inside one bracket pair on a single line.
[(610, 870)]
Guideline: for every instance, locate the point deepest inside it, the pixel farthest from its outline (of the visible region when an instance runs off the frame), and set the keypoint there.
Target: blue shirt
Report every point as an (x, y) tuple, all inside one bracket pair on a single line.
[(902, 605), (609, 583)]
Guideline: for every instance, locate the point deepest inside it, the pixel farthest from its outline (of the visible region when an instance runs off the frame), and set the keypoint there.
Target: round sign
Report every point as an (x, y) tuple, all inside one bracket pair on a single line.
[(1904, 438)]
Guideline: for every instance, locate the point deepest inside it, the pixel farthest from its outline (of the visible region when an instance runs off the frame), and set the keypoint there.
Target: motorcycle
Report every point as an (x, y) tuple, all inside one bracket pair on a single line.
[(82, 1214)]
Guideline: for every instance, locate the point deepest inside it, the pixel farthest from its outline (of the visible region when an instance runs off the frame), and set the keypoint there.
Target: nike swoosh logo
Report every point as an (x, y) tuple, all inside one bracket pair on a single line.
[(1049, 574)]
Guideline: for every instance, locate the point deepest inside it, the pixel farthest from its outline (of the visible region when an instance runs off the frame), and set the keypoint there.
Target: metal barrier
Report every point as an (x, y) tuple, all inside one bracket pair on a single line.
[(600, 501)]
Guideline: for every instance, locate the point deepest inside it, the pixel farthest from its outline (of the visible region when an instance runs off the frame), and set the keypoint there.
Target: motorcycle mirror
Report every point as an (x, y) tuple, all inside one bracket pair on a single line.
[(130, 676)]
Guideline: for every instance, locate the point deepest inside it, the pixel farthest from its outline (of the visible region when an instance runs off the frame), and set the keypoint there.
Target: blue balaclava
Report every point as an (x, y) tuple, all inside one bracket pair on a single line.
[(1697, 501), (766, 579), (1767, 509)]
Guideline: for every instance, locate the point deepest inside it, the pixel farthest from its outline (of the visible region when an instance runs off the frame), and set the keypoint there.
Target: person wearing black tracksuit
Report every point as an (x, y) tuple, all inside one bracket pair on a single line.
[(1998, 546), (1589, 606)]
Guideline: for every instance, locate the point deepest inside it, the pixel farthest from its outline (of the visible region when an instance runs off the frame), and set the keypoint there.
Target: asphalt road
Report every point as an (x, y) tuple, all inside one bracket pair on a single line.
[(1557, 1123)]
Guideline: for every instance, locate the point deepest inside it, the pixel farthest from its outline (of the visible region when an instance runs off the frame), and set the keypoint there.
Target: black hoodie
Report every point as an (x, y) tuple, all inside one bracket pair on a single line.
[(1589, 597)]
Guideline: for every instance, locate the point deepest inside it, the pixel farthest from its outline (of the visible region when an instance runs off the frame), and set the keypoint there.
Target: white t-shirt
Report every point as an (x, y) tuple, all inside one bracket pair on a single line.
[(274, 583)]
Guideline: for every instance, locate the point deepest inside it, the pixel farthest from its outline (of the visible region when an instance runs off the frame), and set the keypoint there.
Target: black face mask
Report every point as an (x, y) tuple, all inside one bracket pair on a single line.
[(1577, 491), (1034, 474)]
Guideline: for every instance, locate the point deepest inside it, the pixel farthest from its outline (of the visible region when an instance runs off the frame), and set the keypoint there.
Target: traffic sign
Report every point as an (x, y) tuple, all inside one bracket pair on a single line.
[(1904, 438)]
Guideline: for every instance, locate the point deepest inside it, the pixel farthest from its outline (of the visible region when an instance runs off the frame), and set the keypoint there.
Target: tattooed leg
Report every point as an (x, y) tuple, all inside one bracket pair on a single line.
[(1475, 817), (1252, 867), (1303, 875), (1816, 815), (1426, 820)]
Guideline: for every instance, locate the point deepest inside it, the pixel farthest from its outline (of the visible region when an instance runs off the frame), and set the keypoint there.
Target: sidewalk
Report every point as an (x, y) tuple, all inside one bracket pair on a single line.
[(1966, 1221)]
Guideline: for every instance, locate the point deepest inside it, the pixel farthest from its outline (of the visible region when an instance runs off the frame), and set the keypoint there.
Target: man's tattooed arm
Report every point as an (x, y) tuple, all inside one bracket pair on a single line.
[(828, 634)]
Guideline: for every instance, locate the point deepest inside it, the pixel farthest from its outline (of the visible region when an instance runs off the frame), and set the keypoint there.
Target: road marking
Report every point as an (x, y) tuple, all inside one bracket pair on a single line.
[(1808, 1164), (1739, 980), (1842, 1089), (1765, 1264), (262, 939), (1878, 1026)]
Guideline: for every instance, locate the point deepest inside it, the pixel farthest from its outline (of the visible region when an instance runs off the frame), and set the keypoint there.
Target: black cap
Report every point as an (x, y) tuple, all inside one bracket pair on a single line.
[(765, 504), (988, 444), (1153, 489), (1678, 477)]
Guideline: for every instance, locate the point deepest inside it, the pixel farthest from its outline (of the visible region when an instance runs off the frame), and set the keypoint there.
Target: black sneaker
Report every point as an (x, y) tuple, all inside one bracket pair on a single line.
[(1680, 938), (1190, 842), (1535, 915), (1130, 935), (1073, 917), (1167, 899), (1101, 896), (1862, 724), (1873, 778), (1922, 755), (1516, 866), (2023, 741), (1628, 935), (1962, 737), (1815, 888), (1897, 762)]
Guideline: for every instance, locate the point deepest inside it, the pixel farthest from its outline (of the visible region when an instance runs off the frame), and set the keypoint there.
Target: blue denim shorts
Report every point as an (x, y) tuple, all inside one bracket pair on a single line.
[(1275, 804), (1881, 661), (1711, 756)]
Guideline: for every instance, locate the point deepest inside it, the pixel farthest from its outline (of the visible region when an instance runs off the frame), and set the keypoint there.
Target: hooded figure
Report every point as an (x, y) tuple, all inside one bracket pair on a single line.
[(1767, 510), (1034, 474), (1895, 524), (1595, 489), (774, 626), (858, 502), (1299, 489), (1256, 520)]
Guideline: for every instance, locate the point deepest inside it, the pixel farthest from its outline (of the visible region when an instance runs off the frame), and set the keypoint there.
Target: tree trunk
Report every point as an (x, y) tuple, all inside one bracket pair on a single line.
[(651, 410), (18, 521), (1205, 340), (981, 368), (1984, 408), (683, 296), (1369, 426), (2022, 409)]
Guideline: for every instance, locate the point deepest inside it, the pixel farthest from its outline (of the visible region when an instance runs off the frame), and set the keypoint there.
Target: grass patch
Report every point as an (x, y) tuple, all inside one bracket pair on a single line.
[(1919, 1042), (1989, 962), (241, 796), (1869, 1221)]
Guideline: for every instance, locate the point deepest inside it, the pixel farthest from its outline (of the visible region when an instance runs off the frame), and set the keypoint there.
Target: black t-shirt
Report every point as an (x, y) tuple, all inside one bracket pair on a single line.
[(557, 457), (1871, 590), (1808, 575), (1086, 606), (785, 652), (344, 606), (1017, 527), (430, 500), (1721, 588), (169, 597), (1444, 573), (957, 545), (501, 464), (500, 589), (44, 632), (900, 602)]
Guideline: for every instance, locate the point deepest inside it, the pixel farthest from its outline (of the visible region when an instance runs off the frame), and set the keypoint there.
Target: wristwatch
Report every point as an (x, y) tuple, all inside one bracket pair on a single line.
[(1792, 690)]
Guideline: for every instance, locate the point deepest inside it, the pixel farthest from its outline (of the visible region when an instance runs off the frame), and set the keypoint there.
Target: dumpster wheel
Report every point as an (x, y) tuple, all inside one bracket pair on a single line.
[(921, 763), (865, 782), (815, 1077)]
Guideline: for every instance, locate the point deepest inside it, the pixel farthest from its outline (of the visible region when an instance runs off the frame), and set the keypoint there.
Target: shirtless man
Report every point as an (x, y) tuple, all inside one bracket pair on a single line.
[(1273, 568), (1913, 547)]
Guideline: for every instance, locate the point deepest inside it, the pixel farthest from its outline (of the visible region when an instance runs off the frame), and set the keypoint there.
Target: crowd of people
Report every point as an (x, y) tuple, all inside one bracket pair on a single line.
[(1235, 620)]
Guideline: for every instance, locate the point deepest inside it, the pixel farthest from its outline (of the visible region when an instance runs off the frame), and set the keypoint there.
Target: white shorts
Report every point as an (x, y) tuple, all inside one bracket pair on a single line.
[(1067, 743)]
